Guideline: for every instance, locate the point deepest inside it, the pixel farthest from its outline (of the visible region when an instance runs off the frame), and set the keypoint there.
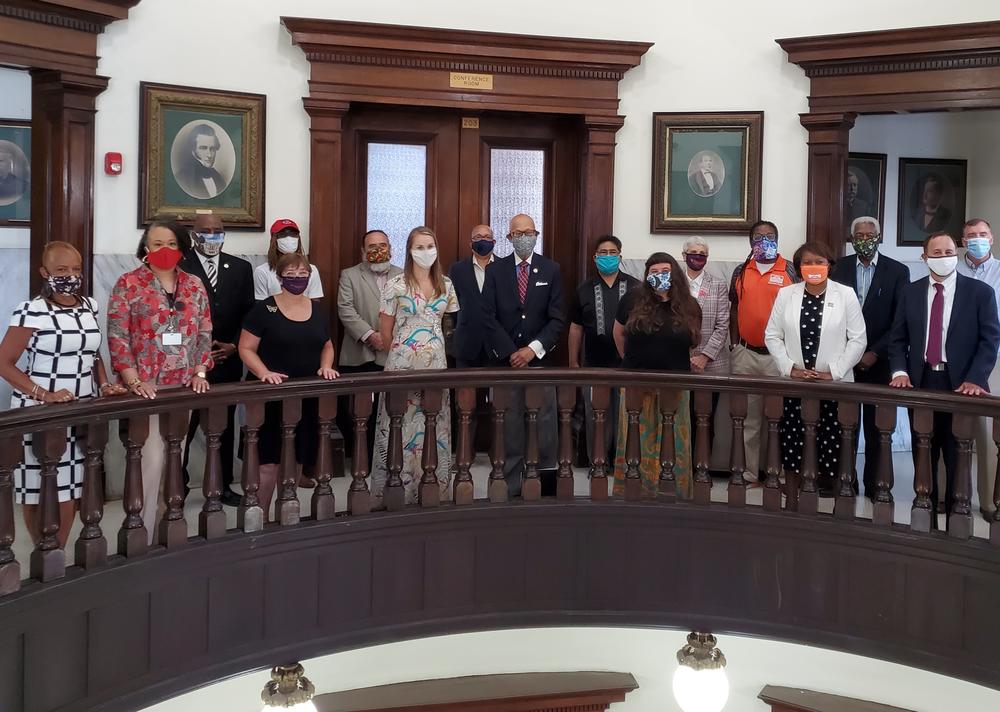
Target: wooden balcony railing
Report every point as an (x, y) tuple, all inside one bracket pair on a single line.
[(49, 423), (139, 624)]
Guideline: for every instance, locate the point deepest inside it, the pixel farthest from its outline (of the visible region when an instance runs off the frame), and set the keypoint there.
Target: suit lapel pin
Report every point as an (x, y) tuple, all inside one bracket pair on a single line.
[(226, 265), (535, 270)]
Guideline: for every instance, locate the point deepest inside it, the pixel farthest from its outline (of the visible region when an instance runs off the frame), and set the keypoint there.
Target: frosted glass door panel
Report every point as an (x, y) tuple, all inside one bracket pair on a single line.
[(517, 185), (397, 192)]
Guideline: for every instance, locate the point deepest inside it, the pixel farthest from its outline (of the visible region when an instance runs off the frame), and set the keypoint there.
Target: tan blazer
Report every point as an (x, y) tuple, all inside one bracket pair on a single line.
[(358, 302)]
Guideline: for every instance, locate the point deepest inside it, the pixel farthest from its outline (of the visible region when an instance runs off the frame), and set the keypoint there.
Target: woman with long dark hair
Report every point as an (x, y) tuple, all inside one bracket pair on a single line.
[(59, 333), (657, 326), (413, 305)]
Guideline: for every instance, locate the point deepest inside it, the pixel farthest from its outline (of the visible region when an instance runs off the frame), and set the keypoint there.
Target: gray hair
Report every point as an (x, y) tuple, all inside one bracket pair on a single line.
[(694, 241), (866, 219)]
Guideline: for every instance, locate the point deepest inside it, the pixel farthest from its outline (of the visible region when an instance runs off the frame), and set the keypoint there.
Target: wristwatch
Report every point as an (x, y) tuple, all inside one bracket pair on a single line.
[(201, 374)]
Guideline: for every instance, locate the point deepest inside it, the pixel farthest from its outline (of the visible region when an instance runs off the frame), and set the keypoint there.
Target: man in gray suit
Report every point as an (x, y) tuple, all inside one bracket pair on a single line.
[(358, 301)]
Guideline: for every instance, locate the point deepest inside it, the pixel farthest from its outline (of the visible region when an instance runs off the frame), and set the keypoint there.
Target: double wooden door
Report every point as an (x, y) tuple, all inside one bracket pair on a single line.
[(453, 170)]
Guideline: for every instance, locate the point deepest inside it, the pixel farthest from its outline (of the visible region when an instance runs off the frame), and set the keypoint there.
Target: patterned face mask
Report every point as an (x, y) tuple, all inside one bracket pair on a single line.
[(865, 248), (764, 249), (659, 281), (65, 284), (377, 254)]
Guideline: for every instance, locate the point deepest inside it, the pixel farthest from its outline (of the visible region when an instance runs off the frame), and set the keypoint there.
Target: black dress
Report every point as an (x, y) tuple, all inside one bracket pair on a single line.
[(828, 428), (293, 348), (666, 349)]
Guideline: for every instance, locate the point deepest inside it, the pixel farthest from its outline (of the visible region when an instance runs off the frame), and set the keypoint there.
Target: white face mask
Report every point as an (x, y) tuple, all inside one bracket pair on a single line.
[(942, 266), (424, 258), (288, 245)]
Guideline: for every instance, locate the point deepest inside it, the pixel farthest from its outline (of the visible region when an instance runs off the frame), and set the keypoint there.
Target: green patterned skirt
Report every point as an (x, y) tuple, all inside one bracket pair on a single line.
[(650, 424)]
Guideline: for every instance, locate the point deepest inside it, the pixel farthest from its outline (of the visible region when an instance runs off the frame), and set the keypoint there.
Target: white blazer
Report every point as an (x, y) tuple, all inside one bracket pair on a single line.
[(842, 337)]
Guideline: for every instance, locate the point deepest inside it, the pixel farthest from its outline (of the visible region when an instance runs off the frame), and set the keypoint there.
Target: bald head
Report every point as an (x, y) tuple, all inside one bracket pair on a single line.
[(207, 222), (521, 223), (482, 232)]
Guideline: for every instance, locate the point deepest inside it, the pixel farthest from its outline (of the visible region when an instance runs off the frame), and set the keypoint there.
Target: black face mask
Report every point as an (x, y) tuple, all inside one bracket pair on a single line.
[(483, 247)]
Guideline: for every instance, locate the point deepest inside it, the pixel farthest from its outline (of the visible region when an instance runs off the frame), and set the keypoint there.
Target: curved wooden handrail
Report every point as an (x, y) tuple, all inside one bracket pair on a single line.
[(17, 421)]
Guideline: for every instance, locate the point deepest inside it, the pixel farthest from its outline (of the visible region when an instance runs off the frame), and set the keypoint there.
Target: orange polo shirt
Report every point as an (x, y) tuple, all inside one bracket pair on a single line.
[(755, 294)]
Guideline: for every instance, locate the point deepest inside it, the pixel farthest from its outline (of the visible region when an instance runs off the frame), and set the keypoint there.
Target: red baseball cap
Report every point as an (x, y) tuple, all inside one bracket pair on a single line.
[(283, 224)]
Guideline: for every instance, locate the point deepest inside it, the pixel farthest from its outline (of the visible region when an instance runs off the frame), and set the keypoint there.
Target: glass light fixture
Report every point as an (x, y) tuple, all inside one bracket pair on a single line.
[(700, 682), (288, 689)]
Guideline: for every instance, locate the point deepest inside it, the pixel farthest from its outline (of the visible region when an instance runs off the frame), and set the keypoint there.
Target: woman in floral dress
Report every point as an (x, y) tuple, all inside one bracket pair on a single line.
[(413, 305)]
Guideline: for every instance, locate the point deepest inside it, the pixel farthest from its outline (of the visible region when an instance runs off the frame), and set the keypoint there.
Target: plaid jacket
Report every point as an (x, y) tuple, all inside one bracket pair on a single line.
[(713, 298)]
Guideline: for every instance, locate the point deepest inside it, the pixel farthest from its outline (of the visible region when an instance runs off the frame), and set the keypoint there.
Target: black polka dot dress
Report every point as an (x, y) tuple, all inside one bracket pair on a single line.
[(792, 429)]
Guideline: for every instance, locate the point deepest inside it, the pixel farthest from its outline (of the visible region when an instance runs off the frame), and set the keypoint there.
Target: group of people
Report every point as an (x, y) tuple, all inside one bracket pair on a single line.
[(192, 315)]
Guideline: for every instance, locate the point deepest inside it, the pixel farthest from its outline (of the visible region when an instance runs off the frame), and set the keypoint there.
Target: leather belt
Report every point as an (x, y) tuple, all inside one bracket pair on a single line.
[(940, 367), (756, 349)]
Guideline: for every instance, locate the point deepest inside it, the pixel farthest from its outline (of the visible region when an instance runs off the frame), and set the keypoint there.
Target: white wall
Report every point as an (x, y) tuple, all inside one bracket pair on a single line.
[(648, 654), (972, 135), (708, 56)]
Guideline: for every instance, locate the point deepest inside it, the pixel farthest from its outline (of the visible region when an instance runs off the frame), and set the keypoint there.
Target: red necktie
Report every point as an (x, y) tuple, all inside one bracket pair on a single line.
[(936, 330), (522, 281)]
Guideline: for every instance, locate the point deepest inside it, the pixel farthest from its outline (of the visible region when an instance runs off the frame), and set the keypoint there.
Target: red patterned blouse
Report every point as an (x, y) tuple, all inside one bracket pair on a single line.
[(139, 313)]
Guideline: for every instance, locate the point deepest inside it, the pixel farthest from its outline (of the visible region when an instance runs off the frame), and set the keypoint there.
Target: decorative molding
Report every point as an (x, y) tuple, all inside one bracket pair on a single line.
[(459, 65), (51, 18), (902, 64), (91, 17)]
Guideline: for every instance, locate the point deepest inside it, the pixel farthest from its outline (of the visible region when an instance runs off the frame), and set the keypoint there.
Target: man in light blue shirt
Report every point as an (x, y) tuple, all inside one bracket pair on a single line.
[(979, 263)]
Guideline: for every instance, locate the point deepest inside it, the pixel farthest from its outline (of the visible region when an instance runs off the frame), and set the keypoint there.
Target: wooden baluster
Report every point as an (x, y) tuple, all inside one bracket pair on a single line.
[(633, 451), (499, 401), (250, 515), (774, 407), (922, 513), (286, 507), (429, 494), (885, 421), (394, 496), (600, 398), (994, 518), (359, 498), (132, 537), (960, 517), (211, 519), (11, 453), (737, 451), (667, 487), (703, 414), (564, 477), (91, 546), (48, 562), (465, 399), (172, 527), (808, 496), (531, 488), (323, 504), (847, 416)]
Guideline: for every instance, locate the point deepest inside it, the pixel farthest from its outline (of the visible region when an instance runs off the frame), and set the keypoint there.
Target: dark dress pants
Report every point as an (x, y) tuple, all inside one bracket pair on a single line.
[(515, 441), (229, 371), (943, 443), (345, 423), (877, 375)]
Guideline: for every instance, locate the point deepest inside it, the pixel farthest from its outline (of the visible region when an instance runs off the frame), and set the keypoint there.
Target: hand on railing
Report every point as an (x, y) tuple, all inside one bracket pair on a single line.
[(146, 390), (274, 378), (327, 373)]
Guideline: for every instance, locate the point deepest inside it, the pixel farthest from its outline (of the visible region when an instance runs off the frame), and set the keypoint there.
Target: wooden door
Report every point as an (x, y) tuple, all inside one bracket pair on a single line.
[(453, 170)]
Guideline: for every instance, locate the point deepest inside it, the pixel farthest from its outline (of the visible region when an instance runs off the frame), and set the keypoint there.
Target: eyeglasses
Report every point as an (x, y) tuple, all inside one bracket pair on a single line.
[(768, 236), (483, 237), (524, 233), (613, 253), (865, 235)]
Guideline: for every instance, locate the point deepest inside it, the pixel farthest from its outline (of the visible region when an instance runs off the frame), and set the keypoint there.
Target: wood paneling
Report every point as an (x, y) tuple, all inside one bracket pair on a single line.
[(946, 67), (793, 699)]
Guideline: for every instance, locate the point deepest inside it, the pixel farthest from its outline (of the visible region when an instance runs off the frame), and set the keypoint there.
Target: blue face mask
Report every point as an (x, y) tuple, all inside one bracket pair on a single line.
[(659, 281), (607, 264), (978, 247), (210, 243), (764, 249)]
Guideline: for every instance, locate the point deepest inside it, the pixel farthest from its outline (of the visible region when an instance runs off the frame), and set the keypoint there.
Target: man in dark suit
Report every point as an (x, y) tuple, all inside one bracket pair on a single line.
[(704, 181), (857, 206), (197, 175), (878, 280), (945, 337), (229, 283), (524, 316)]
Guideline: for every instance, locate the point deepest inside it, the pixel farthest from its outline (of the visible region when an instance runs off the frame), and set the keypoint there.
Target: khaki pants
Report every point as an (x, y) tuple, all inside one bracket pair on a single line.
[(749, 363), (986, 451)]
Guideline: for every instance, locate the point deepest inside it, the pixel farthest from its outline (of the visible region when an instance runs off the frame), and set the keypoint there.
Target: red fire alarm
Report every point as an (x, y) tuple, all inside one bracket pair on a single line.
[(113, 164)]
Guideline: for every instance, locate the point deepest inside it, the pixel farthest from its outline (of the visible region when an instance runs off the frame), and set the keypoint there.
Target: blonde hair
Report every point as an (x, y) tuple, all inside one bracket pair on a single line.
[(437, 277)]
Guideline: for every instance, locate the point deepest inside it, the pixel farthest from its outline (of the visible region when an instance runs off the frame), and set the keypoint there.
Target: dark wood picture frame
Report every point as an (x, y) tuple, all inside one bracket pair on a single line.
[(863, 163), (747, 168), (6, 221), (168, 193), (952, 176)]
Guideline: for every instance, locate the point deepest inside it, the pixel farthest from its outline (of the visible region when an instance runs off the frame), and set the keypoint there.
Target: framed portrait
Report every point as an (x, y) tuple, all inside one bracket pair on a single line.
[(931, 199), (15, 173), (864, 195), (201, 149), (706, 171)]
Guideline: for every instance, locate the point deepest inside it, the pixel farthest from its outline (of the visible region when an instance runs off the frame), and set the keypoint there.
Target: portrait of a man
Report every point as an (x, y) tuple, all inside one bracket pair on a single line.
[(706, 173), (15, 172), (857, 206), (931, 198), (195, 168), (14, 182)]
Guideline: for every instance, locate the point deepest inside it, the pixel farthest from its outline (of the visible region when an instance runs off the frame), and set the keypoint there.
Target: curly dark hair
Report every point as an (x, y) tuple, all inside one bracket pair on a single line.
[(647, 317)]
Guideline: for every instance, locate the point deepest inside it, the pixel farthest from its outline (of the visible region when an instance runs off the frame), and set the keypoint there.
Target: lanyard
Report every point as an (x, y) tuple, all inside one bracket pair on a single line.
[(171, 302)]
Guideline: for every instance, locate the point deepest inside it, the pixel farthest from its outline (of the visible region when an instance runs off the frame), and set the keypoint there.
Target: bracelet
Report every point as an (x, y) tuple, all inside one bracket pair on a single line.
[(201, 374), (34, 390)]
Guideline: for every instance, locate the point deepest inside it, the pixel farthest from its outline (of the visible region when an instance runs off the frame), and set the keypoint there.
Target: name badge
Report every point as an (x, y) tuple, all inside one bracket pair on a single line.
[(776, 279), (541, 284), (171, 338)]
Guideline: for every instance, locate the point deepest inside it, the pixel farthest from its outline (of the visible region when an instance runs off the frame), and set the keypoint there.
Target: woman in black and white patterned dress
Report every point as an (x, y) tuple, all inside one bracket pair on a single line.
[(58, 332)]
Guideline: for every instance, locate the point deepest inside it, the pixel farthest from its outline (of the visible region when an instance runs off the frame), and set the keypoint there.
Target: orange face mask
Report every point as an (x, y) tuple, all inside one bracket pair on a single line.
[(815, 274)]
